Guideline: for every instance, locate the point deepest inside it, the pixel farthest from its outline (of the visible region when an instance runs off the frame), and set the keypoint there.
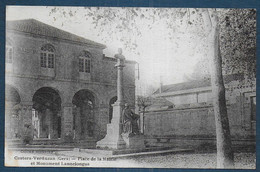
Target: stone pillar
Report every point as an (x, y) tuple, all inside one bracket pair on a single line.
[(8, 121), (20, 124), (113, 138), (67, 122), (26, 112), (50, 122), (55, 125), (141, 122), (77, 123), (41, 124), (120, 65), (13, 121)]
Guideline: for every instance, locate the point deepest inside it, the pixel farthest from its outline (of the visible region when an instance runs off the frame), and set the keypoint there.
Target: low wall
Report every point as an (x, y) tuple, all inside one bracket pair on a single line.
[(194, 126)]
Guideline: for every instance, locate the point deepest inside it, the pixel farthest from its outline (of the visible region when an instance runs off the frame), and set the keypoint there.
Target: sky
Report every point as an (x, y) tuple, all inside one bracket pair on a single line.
[(160, 60)]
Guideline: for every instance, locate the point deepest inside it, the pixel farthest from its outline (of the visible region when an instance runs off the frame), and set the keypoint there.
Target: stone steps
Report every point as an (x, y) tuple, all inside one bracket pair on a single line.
[(153, 153), (44, 143), (128, 151), (122, 153), (136, 150), (40, 149)]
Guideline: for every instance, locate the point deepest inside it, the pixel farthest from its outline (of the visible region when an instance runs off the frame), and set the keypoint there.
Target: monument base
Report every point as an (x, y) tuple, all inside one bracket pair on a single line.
[(112, 140), (135, 141)]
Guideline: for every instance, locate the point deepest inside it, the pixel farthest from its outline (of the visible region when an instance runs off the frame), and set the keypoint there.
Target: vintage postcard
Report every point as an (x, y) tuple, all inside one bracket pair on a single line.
[(130, 87)]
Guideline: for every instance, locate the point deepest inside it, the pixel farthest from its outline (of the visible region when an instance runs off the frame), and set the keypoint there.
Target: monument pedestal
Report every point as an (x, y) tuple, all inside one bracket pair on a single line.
[(134, 142), (113, 138)]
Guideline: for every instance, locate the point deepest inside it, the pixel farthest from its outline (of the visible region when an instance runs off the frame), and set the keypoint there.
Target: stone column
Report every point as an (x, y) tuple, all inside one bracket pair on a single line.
[(26, 112), (77, 123), (119, 104), (13, 121), (50, 122), (55, 125), (120, 65), (41, 122), (67, 122), (8, 121), (113, 138), (141, 122)]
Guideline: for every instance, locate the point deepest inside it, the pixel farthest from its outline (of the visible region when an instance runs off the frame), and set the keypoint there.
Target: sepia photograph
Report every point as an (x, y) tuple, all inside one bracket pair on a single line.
[(130, 87)]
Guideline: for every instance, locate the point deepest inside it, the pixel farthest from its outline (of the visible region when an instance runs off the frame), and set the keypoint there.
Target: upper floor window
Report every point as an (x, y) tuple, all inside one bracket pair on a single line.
[(9, 54), (47, 56), (85, 62)]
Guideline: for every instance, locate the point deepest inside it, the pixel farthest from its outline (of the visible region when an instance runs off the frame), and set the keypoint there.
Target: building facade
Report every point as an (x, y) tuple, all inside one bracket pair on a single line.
[(59, 86), (190, 121)]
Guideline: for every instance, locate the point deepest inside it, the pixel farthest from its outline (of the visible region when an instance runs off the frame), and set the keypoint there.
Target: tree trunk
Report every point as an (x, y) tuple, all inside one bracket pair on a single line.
[(225, 156)]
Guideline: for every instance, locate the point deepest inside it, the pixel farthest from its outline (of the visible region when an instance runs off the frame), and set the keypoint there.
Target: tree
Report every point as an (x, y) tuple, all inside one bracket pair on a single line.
[(225, 156), (143, 102), (231, 44), (219, 43), (233, 40)]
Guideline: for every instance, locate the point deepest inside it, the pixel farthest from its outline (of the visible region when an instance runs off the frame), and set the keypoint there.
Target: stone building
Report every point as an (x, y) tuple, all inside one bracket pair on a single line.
[(189, 119), (59, 87)]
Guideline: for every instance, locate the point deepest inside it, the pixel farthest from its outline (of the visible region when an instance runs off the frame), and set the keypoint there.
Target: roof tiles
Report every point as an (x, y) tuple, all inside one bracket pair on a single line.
[(38, 28)]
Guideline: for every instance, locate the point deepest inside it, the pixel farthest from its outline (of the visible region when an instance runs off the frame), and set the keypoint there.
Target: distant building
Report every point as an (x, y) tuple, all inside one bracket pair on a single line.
[(59, 86), (189, 120)]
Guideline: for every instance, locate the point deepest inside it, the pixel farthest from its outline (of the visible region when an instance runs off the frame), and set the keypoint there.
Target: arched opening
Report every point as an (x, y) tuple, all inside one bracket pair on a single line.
[(13, 116), (11, 95), (46, 114), (83, 114), (111, 102)]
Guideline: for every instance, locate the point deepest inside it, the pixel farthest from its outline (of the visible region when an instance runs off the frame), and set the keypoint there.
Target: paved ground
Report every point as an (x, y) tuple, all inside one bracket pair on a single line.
[(242, 161)]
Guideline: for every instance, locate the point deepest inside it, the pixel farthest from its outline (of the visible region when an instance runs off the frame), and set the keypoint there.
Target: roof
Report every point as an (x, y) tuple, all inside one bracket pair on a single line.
[(160, 101), (198, 83), (38, 28)]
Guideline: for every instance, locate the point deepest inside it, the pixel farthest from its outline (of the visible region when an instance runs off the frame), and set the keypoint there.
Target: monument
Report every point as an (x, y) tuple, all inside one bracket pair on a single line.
[(113, 138), (123, 130)]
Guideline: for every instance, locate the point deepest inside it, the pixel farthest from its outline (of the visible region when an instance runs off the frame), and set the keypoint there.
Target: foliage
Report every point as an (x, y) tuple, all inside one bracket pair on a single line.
[(128, 25), (238, 41), (143, 102), (237, 44)]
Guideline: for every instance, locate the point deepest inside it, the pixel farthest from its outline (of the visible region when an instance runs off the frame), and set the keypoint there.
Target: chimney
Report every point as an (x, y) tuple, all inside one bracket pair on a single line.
[(161, 85)]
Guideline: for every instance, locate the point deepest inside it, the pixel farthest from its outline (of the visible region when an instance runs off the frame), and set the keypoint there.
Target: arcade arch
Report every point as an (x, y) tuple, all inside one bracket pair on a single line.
[(46, 113), (13, 116), (84, 103), (11, 95)]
